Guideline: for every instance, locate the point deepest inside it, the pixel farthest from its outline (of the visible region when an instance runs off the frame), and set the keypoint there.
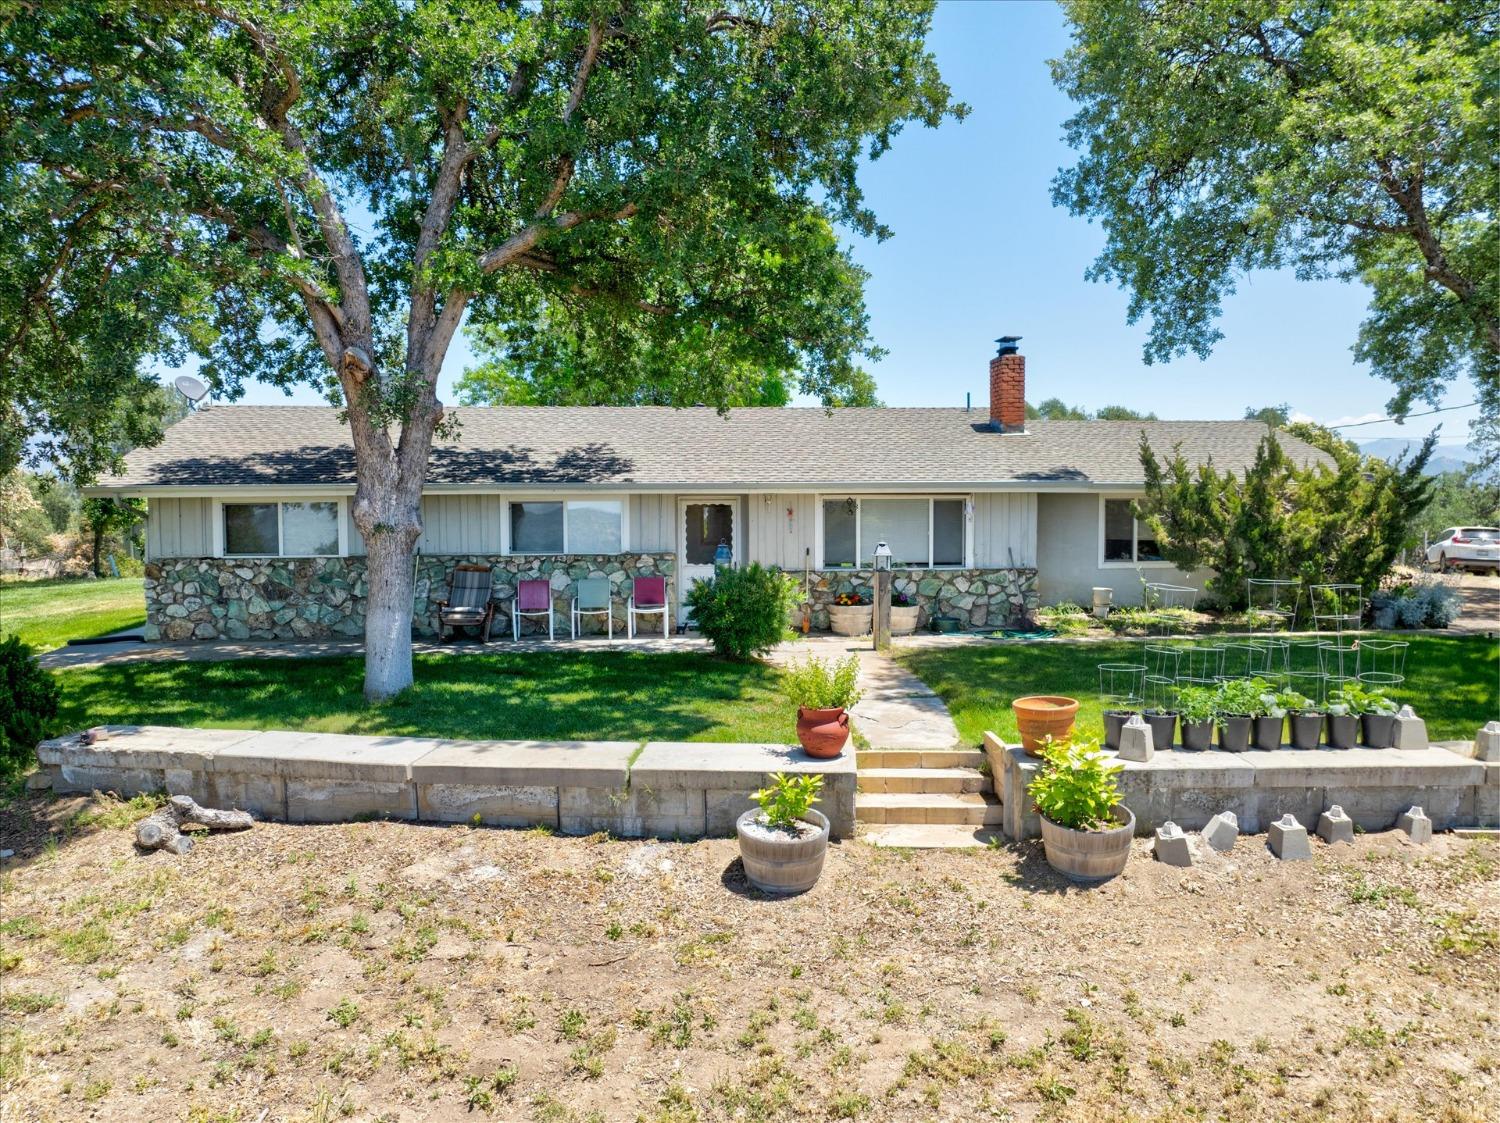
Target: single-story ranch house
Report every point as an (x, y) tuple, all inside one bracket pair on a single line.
[(249, 534)]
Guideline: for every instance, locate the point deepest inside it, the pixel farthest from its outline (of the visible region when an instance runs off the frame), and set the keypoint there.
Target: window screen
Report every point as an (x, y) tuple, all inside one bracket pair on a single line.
[(706, 525), (901, 524), (1119, 530), (594, 526), (536, 528), (251, 528), (309, 529), (947, 532)]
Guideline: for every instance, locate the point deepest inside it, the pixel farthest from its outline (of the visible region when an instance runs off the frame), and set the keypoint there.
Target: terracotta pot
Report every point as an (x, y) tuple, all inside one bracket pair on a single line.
[(823, 733), (1197, 735), (1039, 715), (1306, 730), (1267, 732), (850, 619), (1114, 721), (1089, 855), (1343, 730), (1379, 730), (1234, 732), (776, 863), (903, 620)]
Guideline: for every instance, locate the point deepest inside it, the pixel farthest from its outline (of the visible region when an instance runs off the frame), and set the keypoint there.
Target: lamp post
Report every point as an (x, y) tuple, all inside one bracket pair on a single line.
[(882, 591)]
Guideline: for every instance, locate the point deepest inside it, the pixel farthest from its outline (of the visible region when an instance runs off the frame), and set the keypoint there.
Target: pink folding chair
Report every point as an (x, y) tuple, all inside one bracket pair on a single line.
[(648, 595), (533, 598)]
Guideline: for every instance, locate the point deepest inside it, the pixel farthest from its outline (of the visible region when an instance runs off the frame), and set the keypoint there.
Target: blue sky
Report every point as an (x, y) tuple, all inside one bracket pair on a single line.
[(979, 251)]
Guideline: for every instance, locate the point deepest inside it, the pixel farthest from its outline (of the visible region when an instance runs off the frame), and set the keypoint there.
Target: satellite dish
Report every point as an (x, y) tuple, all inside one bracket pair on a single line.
[(190, 388)]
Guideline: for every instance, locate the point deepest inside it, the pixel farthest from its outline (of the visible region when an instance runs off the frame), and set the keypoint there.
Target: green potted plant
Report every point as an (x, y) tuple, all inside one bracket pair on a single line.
[(1341, 720), (784, 840), (1196, 710), (1238, 703), (904, 613), (1374, 710), (1086, 828), (1304, 719), (850, 614), (822, 690)]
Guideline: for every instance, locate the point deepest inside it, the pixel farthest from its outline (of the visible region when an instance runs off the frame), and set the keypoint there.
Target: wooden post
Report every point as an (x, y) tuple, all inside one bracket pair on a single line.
[(882, 619)]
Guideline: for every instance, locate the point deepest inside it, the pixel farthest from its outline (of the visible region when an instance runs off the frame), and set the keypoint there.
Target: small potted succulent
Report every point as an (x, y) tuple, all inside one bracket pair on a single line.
[(850, 614), (1238, 704), (1086, 828), (1375, 711), (1114, 721), (1196, 710), (1303, 717), (904, 611), (783, 841), (822, 690)]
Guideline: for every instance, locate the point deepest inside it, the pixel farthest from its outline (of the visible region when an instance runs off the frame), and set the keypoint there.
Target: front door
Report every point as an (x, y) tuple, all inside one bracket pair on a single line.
[(706, 524)]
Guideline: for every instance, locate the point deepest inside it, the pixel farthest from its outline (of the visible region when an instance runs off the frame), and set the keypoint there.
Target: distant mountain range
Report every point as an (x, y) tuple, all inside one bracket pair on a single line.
[(1445, 458)]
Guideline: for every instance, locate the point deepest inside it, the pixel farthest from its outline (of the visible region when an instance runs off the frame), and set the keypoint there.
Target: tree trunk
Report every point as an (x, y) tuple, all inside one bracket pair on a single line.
[(388, 615)]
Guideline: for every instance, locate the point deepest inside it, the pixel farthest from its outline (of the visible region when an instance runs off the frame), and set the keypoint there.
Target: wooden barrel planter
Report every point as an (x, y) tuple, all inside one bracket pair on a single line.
[(777, 862), (850, 619), (1042, 715), (1089, 855), (904, 620)]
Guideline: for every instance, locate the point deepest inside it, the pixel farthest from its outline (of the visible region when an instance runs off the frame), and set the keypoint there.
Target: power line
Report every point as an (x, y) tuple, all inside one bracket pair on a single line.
[(1383, 420)]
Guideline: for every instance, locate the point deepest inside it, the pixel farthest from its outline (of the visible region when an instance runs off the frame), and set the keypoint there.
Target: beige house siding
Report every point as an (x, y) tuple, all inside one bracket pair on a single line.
[(179, 528), (774, 538), (1005, 529), (460, 524), (653, 523)]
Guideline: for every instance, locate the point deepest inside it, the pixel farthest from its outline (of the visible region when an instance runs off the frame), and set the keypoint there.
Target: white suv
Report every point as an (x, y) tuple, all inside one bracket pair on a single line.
[(1466, 547)]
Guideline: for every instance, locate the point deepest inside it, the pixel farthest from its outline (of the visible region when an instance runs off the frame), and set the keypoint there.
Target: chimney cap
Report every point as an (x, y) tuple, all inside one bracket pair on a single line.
[(1009, 344)]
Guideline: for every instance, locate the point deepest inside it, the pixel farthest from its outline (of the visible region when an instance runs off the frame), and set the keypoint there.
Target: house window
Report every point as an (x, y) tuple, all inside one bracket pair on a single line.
[(920, 532), (289, 530), (1127, 539), (572, 526)]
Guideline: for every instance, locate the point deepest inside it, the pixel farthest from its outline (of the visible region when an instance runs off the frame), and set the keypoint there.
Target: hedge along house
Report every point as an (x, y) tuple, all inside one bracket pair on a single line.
[(249, 534)]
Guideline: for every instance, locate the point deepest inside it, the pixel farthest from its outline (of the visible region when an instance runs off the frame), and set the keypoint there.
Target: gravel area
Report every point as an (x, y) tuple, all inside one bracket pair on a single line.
[(403, 972)]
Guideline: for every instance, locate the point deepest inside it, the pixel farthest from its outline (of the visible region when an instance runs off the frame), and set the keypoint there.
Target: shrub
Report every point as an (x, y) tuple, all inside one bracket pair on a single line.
[(743, 612), (28, 704), (787, 799), (1442, 605), (1077, 786), (822, 684)]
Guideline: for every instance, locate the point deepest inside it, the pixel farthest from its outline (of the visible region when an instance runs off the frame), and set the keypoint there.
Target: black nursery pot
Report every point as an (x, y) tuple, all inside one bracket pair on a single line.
[(1114, 721), (1163, 725), (1343, 730), (1379, 730), (1234, 733), (1197, 735), (1307, 730), (1267, 733)]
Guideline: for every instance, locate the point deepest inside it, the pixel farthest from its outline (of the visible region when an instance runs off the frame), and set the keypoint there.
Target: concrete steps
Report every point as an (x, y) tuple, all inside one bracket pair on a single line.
[(919, 758), (977, 809), (925, 780), (928, 836)]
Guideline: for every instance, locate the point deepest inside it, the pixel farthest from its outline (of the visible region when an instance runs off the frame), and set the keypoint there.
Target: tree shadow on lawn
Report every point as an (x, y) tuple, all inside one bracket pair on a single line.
[(630, 696)]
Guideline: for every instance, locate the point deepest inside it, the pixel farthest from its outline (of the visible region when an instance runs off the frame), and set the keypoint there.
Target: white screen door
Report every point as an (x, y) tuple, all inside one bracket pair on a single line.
[(704, 524)]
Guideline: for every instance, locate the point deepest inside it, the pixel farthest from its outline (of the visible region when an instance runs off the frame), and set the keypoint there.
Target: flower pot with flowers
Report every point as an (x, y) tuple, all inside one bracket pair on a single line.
[(851, 614), (904, 611)]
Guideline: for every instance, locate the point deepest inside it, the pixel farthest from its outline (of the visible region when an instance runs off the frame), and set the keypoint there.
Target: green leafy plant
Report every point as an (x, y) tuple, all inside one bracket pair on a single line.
[(1197, 704), (1354, 698), (743, 612), (822, 684), (787, 799), (1292, 702), (28, 705), (1077, 786), (1243, 697)]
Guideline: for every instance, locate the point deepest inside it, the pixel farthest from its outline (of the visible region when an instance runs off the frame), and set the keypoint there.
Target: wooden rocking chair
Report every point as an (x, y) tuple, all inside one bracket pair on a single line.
[(468, 603)]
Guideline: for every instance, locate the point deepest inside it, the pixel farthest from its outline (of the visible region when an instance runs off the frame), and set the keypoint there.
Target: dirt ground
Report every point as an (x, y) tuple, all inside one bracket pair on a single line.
[(402, 972)]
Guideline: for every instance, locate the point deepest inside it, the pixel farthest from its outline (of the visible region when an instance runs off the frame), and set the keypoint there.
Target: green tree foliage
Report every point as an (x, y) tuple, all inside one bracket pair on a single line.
[(743, 611), (28, 705), (323, 192), (1345, 522), (1055, 409), (108, 518), (1277, 417), (25, 526), (1353, 139), (1463, 498)]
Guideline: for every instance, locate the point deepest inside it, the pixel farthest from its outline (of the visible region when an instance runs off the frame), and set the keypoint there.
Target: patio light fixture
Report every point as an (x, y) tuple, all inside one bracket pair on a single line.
[(882, 556)]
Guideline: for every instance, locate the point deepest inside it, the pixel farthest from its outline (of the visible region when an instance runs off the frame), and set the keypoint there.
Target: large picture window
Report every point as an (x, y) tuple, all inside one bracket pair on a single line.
[(288, 530), (1127, 540), (920, 532), (567, 526)]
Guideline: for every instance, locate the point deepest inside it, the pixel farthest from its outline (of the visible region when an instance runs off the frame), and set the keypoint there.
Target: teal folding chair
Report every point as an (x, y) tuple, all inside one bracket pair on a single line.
[(591, 598)]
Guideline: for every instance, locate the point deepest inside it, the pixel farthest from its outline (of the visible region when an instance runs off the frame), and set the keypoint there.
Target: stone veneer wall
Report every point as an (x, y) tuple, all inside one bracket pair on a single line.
[(322, 598), (978, 597)]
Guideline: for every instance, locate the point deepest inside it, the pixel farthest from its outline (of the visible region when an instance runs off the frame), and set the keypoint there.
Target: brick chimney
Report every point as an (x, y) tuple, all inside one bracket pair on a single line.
[(1008, 386)]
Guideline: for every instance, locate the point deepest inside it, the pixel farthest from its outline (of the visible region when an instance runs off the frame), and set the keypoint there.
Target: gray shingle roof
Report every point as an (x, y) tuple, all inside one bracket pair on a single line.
[(659, 447)]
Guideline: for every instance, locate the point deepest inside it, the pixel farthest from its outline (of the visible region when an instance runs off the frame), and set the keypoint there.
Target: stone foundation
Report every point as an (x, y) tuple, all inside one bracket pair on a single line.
[(978, 597), (324, 598)]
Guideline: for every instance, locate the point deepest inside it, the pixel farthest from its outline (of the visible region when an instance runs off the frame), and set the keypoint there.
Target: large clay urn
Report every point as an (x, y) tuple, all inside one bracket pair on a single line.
[(823, 733), (1040, 716)]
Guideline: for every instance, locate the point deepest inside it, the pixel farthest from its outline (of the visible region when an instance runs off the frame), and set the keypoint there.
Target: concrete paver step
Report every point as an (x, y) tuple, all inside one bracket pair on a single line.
[(920, 758), (929, 836), (923, 780), (980, 809)]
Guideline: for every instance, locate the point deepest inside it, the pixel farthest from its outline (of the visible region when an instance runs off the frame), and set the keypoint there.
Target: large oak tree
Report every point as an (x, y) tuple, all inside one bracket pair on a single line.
[(325, 190), (1351, 139)]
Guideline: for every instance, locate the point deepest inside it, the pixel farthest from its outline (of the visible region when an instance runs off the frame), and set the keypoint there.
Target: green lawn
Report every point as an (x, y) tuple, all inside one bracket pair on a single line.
[(617, 695), (47, 614), (1452, 681)]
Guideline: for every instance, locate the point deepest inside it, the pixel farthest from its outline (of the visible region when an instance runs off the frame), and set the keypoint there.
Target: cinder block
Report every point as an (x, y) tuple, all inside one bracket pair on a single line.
[(637, 813), (1288, 840), (1411, 731), (1172, 845), (1335, 826), (121, 781), (1135, 740), (1222, 831), (516, 806), (1487, 743), (1416, 824), (528, 764), (339, 801), (264, 796)]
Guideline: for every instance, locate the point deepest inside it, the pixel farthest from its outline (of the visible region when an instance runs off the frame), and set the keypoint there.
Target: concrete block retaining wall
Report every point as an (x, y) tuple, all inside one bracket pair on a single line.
[(1373, 786), (661, 790)]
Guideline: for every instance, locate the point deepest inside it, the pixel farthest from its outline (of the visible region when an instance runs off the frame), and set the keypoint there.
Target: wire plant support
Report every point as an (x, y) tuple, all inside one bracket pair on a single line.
[(1273, 602), (1337, 608)]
